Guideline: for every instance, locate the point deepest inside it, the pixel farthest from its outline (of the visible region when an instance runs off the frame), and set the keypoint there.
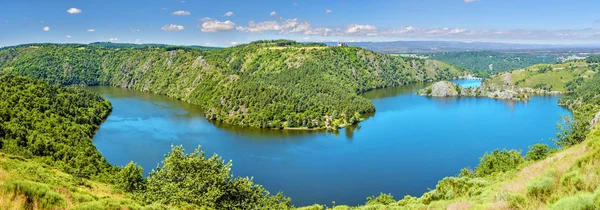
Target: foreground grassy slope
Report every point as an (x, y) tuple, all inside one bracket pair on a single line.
[(28, 184), (279, 84)]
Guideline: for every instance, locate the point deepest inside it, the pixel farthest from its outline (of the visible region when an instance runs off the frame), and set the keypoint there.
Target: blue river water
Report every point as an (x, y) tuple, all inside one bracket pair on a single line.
[(405, 148)]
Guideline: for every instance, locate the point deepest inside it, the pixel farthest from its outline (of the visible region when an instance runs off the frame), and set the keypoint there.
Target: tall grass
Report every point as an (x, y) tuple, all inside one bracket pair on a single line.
[(38, 194)]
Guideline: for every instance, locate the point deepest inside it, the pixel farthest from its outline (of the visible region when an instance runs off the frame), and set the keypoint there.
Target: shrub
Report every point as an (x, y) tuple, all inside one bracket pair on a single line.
[(540, 188), (583, 201), (35, 191), (537, 152), (498, 161), (383, 198), (515, 201), (571, 131), (465, 172), (343, 207), (82, 198), (573, 180), (130, 178), (313, 207)]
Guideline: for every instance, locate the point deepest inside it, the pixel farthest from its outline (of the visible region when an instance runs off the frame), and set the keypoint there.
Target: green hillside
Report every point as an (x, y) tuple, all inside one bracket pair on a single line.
[(266, 84), (48, 161), (485, 63), (563, 77)]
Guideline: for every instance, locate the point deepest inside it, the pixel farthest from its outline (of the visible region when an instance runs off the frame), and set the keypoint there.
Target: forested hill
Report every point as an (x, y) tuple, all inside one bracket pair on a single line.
[(268, 84), (487, 62)]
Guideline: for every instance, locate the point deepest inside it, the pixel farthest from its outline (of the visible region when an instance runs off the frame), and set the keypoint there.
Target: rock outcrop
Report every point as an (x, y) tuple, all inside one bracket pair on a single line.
[(595, 120), (444, 89), (449, 89)]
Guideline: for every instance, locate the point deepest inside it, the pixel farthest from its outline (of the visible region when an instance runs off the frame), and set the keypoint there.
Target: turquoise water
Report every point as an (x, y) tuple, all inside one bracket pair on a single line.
[(405, 148), (468, 83)]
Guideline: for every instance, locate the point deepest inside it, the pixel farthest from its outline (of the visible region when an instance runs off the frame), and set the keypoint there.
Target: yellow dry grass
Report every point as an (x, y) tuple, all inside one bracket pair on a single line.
[(560, 162)]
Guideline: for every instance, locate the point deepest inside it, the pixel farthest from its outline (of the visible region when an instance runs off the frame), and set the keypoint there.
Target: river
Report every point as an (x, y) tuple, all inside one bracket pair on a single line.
[(405, 148)]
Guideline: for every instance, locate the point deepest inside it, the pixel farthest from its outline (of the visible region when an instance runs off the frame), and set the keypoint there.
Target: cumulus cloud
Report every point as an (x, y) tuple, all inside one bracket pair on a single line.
[(470, 1), (181, 13), (211, 25), (68, 36), (355, 29), (46, 28), (273, 13), (113, 39), (91, 30), (73, 11), (283, 26), (234, 43), (172, 27), (328, 11), (229, 14)]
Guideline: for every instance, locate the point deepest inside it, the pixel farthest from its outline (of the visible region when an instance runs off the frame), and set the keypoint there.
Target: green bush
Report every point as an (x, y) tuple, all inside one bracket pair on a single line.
[(537, 152), (82, 198), (383, 198), (199, 181), (342, 207), (313, 207), (130, 179), (515, 201), (584, 201), (498, 161), (540, 188), (573, 180), (35, 191)]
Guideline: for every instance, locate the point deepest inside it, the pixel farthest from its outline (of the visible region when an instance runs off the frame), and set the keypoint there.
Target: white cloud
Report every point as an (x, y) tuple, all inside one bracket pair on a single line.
[(138, 41), (234, 43), (68, 36), (283, 26), (172, 27), (46, 28), (135, 30), (91, 30), (73, 11), (355, 28), (229, 14), (322, 31), (328, 11), (113, 39), (181, 13), (470, 1), (211, 25), (273, 13)]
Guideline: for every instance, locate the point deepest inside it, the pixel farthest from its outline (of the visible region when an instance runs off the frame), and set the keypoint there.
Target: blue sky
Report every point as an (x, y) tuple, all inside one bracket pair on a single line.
[(226, 23)]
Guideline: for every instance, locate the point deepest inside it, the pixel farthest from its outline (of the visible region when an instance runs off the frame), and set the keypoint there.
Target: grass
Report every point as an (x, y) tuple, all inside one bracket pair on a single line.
[(28, 184)]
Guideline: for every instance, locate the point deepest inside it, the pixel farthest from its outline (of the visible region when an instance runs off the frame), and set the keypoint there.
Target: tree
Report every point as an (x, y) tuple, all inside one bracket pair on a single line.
[(195, 180), (498, 161), (130, 179), (537, 152), (570, 131)]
